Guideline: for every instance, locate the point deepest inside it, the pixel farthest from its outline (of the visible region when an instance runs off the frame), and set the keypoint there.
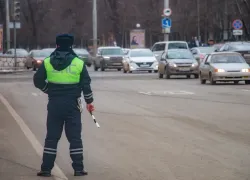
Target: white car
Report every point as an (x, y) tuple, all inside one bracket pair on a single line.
[(224, 66), (140, 60)]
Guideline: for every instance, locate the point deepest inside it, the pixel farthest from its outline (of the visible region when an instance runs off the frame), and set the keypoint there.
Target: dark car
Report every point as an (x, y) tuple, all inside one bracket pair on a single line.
[(241, 47), (84, 55), (108, 58)]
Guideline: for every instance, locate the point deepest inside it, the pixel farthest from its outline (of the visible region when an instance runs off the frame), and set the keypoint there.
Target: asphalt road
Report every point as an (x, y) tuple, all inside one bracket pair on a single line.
[(151, 129)]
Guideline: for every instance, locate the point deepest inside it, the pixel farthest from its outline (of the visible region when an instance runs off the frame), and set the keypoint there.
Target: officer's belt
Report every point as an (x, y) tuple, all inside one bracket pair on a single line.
[(63, 82)]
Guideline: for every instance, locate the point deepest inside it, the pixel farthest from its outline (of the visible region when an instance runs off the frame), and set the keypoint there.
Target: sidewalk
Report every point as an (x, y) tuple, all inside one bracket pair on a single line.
[(18, 159)]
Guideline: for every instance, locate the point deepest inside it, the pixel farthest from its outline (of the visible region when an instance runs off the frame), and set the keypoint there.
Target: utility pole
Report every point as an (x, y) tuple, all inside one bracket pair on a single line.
[(94, 27), (225, 34), (198, 20), (166, 5), (7, 11)]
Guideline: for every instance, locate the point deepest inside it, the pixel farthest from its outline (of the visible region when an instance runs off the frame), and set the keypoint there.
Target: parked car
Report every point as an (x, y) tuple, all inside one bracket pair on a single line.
[(140, 60), (217, 46), (19, 53), (224, 66), (200, 52), (160, 47), (84, 55), (108, 58), (35, 58), (241, 47), (178, 62)]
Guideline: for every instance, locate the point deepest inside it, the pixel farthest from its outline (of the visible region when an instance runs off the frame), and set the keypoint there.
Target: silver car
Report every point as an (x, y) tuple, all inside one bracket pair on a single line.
[(178, 62), (200, 52), (224, 66)]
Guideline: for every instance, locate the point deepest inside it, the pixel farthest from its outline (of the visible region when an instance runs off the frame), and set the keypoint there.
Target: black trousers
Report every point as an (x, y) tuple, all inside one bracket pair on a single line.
[(63, 112)]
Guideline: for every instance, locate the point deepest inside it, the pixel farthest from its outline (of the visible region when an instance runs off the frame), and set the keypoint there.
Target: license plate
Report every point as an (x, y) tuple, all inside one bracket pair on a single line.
[(144, 65), (116, 63), (245, 77), (184, 69), (246, 55)]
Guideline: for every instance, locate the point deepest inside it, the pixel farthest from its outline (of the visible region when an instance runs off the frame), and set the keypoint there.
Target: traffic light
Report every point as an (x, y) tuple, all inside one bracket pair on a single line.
[(17, 10)]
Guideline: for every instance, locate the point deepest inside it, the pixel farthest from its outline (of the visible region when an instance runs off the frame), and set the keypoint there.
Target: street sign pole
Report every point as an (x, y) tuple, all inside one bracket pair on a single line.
[(15, 44), (166, 5)]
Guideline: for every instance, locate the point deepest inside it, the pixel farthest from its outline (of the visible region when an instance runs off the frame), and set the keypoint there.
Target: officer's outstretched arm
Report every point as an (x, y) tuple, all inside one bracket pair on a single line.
[(39, 79), (85, 85)]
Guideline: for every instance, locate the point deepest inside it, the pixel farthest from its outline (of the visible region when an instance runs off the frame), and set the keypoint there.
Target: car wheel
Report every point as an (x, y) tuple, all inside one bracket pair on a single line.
[(212, 82), (124, 71), (150, 71), (130, 71), (236, 82), (188, 76), (119, 69), (196, 76), (155, 71), (203, 81), (33, 67), (167, 75), (95, 68), (160, 75), (247, 82)]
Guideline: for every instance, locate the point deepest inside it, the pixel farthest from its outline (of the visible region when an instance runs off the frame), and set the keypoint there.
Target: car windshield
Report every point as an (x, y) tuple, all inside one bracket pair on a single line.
[(207, 50), (110, 51), (179, 55), (229, 58), (81, 51), (41, 53), (141, 53), (177, 46), (241, 47)]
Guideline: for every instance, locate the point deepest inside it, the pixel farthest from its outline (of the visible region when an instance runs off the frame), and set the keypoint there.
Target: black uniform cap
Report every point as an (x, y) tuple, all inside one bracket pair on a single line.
[(64, 40)]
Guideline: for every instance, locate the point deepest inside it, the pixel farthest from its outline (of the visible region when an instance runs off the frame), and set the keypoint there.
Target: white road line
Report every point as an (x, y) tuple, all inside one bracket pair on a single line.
[(31, 137), (246, 90), (146, 93)]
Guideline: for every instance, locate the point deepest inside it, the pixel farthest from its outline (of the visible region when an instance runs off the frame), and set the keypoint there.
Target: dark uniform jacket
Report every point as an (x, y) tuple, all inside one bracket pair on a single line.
[(61, 60)]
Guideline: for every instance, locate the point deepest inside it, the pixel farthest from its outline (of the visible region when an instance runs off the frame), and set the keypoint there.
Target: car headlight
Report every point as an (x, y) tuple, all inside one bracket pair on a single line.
[(172, 65), (194, 64), (106, 57), (245, 70), (219, 70)]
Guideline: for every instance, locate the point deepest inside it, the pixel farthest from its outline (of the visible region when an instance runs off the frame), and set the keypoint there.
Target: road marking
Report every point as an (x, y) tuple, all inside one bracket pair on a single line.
[(59, 175), (146, 93), (246, 90), (167, 93), (34, 94)]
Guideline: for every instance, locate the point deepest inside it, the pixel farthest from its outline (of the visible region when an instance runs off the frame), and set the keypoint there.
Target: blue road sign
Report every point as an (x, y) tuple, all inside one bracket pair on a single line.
[(166, 23), (237, 24)]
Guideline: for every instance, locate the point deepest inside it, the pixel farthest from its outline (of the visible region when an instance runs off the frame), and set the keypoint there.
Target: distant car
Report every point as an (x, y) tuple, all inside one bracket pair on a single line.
[(241, 47), (224, 66), (84, 55), (50, 50), (19, 52), (217, 46), (140, 60), (35, 58), (160, 47), (200, 52), (125, 51), (108, 58), (178, 62)]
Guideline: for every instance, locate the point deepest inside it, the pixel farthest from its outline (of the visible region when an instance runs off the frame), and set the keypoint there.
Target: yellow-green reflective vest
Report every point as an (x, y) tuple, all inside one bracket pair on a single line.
[(69, 75)]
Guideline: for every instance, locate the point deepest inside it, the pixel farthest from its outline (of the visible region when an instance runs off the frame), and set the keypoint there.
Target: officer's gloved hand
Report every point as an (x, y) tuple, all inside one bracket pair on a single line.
[(90, 107)]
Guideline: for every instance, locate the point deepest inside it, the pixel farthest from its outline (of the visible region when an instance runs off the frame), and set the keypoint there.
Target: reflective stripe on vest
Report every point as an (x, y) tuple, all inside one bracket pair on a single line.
[(70, 75)]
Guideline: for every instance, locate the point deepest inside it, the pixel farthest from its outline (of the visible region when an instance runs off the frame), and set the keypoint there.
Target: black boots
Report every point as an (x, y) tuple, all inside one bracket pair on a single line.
[(81, 173), (48, 173), (44, 173)]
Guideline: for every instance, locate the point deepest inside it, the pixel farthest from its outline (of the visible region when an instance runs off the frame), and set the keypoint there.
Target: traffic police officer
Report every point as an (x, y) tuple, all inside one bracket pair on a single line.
[(63, 76)]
